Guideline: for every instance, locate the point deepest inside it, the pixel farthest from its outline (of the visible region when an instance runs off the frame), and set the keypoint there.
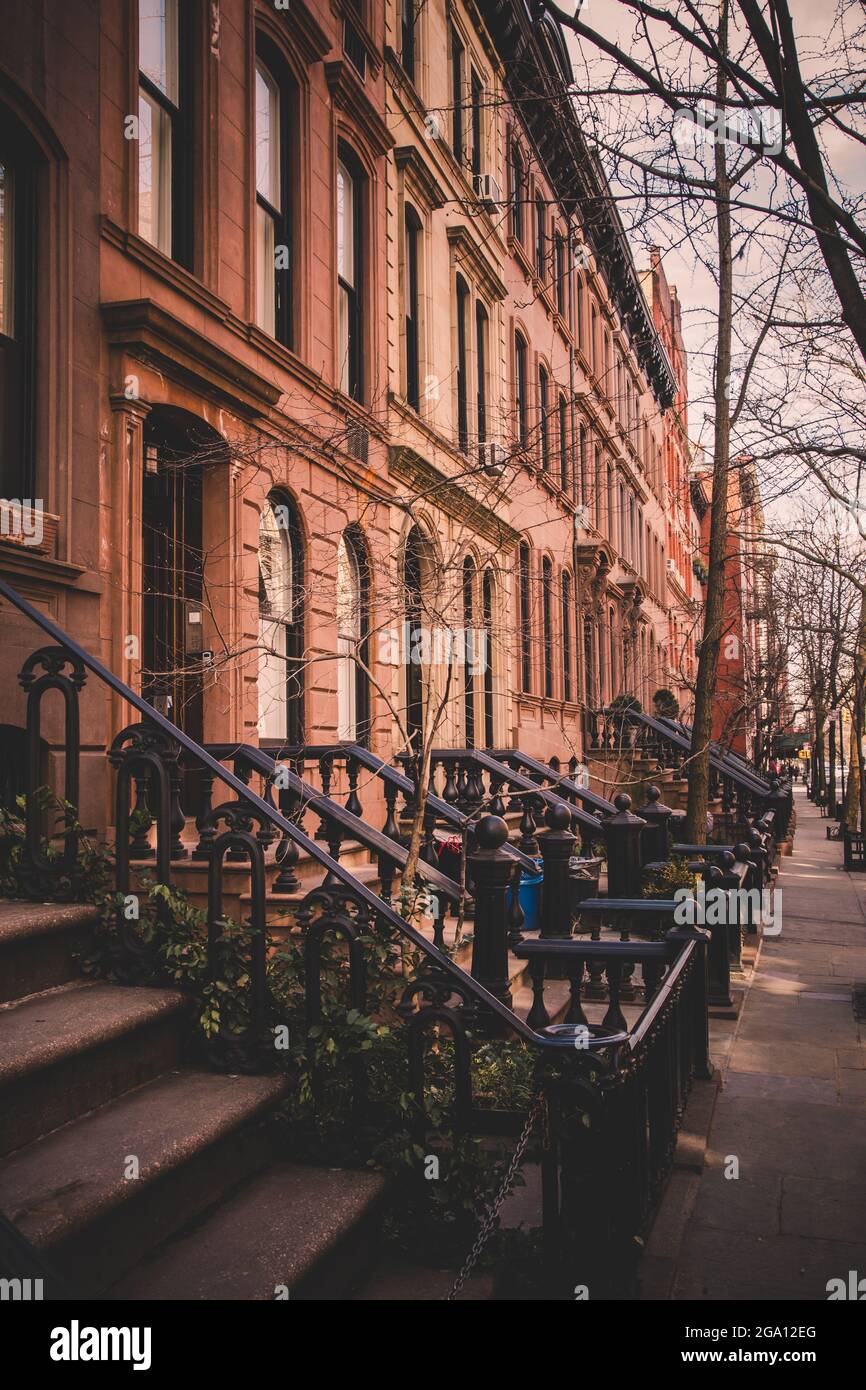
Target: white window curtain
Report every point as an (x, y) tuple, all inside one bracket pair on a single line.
[(275, 610), (158, 101), (268, 194), (348, 637)]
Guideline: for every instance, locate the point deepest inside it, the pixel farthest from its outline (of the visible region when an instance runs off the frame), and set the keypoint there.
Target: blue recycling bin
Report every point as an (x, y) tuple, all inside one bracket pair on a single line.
[(529, 897)]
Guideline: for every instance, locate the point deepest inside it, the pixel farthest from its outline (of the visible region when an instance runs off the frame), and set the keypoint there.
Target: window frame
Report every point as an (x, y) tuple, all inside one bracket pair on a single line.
[(540, 239), (462, 297), (18, 363), (180, 120), (543, 421), (547, 624), (567, 683), (457, 55), (354, 379), (269, 58), (412, 232), (518, 179), (521, 354), (525, 615)]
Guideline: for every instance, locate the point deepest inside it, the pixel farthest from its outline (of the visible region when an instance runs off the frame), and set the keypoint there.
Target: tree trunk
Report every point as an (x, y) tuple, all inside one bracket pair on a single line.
[(705, 684), (855, 800)]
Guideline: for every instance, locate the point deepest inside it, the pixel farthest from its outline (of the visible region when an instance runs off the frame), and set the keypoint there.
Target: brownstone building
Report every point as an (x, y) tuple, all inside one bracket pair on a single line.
[(315, 318)]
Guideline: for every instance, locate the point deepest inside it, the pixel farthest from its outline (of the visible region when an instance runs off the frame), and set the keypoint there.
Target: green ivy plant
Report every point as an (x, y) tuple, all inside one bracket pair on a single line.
[(347, 1053), (663, 880), (85, 882)]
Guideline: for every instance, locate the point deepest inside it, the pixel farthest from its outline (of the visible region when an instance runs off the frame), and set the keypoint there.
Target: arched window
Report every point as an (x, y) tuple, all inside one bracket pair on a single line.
[(564, 468), (165, 163), (589, 691), (18, 242), (597, 484), (414, 562), (462, 302), (281, 622), (584, 481), (611, 623), (567, 686), (469, 651), (487, 602), (520, 390), (543, 413), (273, 178), (517, 180), (412, 237), (353, 698), (547, 624), (350, 286), (525, 616)]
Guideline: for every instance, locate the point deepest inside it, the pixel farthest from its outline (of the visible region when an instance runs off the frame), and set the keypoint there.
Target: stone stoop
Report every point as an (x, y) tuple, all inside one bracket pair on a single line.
[(134, 1171)]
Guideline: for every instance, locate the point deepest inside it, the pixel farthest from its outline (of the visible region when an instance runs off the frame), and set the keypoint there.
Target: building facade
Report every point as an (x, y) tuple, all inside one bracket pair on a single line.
[(685, 572), (750, 672), (327, 362)]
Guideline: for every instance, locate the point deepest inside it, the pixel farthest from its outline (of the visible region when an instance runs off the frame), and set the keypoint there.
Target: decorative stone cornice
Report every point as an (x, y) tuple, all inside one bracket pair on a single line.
[(467, 252), (454, 499), (183, 353), (349, 95), (409, 159)]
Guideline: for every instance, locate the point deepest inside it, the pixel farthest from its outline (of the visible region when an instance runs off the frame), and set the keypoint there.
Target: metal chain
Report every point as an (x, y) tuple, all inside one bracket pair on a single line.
[(485, 1230)]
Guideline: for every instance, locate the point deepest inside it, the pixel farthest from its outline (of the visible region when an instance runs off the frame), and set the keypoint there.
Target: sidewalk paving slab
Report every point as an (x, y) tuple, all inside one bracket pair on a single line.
[(791, 1109)]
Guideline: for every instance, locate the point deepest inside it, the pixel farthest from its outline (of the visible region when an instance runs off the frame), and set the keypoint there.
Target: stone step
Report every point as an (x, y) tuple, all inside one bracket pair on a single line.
[(195, 1136), (68, 1050), (191, 876), (38, 945), (308, 1233)]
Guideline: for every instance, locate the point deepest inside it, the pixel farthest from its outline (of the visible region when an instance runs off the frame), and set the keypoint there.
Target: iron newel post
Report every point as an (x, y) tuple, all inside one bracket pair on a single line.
[(622, 833), (491, 874)]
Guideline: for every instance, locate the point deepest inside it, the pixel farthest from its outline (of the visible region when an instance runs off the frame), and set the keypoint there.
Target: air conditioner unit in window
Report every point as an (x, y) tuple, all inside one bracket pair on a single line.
[(672, 569), (491, 459), (487, 189)]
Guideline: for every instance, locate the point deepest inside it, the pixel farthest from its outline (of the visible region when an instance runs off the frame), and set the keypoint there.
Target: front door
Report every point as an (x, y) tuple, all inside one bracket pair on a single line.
[(173, 620)]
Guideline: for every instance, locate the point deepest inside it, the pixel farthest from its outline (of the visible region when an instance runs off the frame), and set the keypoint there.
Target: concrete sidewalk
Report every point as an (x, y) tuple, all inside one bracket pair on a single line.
[(791, 1109)]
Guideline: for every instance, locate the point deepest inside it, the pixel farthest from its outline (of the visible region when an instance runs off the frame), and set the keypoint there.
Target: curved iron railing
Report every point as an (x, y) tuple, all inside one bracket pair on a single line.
[(625, 1073)]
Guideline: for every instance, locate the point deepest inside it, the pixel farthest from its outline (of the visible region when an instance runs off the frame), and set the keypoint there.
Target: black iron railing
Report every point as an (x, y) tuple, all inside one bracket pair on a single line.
[(622, 1073)]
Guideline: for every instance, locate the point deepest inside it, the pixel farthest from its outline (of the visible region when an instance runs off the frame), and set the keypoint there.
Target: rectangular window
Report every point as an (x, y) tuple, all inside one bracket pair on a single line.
[(540, 240), (348, 281), (164, 136), (525, 619), (407, 38), (517, 178), (413, 385), (18, 239), (564, 468), (457, 97), (462, 371), (481, 361), (567, 690), (273, 285), (543, 423), (561, 282), (520, 390), (547, 626), (477, 105)]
